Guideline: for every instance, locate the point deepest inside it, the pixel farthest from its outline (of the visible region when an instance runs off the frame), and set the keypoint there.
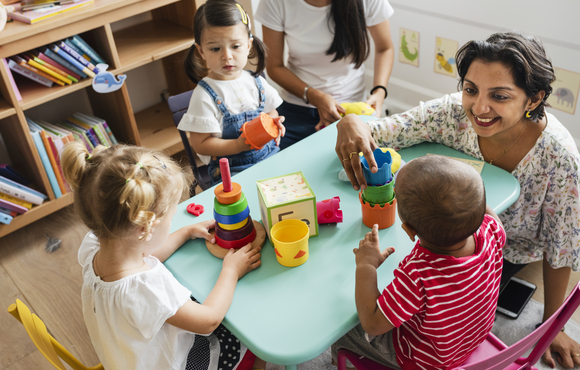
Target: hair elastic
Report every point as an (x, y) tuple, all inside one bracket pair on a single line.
[(140, 165), (127, 181), (88, 157), (244, 15)]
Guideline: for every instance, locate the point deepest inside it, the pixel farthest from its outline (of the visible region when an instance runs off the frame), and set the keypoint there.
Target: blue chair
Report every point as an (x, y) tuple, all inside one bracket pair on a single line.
[(178, 105)]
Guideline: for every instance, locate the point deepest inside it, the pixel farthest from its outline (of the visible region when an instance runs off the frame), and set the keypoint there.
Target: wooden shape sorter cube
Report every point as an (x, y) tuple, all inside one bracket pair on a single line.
[(287, 197)]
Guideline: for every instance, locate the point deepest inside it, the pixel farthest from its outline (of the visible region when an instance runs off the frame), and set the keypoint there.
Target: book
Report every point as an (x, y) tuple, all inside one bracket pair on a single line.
[(12, 206), (73, 46), (35, 57), (12, 82), (16, 201), (91, 134), (16, 190), (50, 151), (23, 61), (44, 158), (73, 53), (81, 44), (80, 132), (38, 4), (35, 64), (72, 60), (37, 15), (60, 60), (28, 73), (8, 212), (101, 123), (5, 218), (10, 173), (70, 74)]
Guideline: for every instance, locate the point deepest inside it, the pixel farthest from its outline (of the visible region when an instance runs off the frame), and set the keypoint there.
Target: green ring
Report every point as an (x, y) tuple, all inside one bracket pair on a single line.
[(230, 209)]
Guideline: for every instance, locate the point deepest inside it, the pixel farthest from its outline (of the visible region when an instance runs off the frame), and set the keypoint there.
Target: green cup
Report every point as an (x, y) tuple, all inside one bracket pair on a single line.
[(380, 194)]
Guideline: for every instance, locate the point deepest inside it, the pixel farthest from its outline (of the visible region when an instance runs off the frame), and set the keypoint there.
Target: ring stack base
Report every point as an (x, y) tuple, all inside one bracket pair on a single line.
[(220, 252)]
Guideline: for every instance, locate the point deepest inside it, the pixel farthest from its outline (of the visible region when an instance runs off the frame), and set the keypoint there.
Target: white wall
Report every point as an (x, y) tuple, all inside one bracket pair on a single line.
[(556, 23)]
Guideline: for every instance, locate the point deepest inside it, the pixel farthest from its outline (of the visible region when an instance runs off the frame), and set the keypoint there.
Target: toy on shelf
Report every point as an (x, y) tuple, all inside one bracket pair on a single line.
[(260, 131), (360, 108), (234, 227), (378, 200), (328, 211), (287, 197), (290, 239)]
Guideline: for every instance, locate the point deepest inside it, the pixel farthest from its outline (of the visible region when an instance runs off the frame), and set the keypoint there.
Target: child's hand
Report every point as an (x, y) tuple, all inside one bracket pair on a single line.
[(281, 128), (242, 260), (241, 144), (369, 252), (201, 230)]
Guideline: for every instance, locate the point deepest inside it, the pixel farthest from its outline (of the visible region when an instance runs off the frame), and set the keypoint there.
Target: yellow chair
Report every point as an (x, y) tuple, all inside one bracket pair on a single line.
[(46, 344)]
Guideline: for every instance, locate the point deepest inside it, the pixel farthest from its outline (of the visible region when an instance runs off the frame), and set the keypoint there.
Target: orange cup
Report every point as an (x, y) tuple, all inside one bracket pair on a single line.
[(259, 131), (383, 216)]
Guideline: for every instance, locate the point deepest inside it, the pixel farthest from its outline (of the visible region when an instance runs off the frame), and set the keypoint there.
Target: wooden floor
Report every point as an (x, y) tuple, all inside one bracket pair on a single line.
[(50, 284)]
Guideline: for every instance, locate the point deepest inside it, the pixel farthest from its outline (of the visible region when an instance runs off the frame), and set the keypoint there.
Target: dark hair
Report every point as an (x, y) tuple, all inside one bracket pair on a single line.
[(441, 198), (219, 13), (524, 54), (350, 31)]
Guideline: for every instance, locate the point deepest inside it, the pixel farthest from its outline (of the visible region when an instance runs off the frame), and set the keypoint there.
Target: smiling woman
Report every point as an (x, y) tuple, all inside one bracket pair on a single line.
[(500, 117)]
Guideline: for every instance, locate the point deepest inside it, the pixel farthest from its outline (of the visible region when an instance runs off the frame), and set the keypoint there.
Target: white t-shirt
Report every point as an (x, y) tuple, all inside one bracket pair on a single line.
[(240, 95), (126, 318), (308, 37)]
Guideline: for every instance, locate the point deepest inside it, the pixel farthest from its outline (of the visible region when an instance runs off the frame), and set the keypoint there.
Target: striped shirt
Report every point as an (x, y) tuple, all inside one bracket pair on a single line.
[(443, 307)]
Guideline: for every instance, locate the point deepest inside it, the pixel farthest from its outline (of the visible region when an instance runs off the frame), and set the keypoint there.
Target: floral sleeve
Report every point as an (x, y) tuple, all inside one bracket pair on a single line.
[(440, 120)]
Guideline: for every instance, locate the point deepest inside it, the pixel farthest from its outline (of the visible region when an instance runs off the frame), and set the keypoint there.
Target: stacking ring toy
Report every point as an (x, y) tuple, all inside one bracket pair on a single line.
[(231, 235), (236, 243), (239, 225), (230, 209), (233, 219), (228, 197)]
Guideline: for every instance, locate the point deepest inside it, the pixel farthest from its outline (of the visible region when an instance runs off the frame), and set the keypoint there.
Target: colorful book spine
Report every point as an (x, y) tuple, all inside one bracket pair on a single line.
[(12, 207), (46, 163), (59, 66), (105, 134), (77, 57), (71, 45), (72, 60), (110, 133), (12, 82), (101, 135), (16, 201), (29, 74), (55, 69), (56, 145), (5, 219), (54, 56), (81, 44), (81, 134), (18, 191), (44, 69), (24, 63), (8, 212), (52, 159)]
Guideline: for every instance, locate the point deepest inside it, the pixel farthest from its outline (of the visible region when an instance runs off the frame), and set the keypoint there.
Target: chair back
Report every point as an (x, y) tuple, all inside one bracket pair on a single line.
[(502, 357), (178, 105), (46, 344)]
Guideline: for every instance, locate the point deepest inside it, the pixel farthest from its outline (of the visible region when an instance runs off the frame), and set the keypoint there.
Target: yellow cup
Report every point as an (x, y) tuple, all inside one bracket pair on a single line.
[(290, 238)]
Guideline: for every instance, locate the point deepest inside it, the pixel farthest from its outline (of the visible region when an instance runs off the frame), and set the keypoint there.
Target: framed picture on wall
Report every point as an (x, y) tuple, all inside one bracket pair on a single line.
[(445, 51), (409, 50), (565, 90)]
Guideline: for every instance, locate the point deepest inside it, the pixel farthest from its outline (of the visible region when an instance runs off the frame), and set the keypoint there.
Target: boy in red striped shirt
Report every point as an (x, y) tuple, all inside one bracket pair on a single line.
[(441, 303)]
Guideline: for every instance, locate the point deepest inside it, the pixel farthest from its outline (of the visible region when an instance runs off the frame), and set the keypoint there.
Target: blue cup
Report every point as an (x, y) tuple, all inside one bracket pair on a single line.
[(384, 174)]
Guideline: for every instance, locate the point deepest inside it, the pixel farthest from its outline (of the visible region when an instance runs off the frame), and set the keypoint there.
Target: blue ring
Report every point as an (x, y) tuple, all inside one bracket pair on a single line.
[(233, 219)]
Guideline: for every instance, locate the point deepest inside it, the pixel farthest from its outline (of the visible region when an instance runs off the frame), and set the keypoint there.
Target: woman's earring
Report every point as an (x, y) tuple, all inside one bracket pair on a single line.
[(529, 114)]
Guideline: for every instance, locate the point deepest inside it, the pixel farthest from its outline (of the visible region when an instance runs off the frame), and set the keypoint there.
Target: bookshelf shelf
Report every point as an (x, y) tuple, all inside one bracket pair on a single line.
[(164, 34)]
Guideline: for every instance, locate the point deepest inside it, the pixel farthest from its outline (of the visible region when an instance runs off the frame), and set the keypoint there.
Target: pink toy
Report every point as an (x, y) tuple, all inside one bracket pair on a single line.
[(328, 211), (195, 209)]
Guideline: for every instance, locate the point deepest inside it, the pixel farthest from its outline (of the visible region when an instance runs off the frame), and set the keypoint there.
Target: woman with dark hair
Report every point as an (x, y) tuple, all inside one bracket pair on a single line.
[(327, 44), (500, 117)]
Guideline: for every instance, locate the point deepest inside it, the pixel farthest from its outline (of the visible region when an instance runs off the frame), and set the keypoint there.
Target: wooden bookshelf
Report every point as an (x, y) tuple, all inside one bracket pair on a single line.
[(165, 36)]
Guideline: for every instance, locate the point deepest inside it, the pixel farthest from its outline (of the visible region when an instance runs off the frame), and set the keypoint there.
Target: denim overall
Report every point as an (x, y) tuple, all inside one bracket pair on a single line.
[(232, 123)]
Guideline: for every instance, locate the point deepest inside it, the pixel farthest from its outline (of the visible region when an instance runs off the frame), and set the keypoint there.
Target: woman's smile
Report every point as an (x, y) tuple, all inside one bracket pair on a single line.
[(485, 122)]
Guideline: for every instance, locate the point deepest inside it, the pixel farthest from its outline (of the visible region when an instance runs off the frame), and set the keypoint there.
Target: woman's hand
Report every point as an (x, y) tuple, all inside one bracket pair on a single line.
[(281, 128), (354, 136), (566, 348), (243, 260), (376, 101), (328, 108)]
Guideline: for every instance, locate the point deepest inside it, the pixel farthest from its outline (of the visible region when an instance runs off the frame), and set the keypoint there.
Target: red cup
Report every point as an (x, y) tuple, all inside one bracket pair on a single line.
[(260, 131)]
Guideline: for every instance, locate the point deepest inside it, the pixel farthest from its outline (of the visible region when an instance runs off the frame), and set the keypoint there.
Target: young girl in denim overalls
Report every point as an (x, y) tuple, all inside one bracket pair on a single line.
[(229, 96)]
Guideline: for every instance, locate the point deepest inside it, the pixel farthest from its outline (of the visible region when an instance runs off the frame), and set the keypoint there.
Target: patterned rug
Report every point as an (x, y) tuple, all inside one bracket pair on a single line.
[(506, 329)]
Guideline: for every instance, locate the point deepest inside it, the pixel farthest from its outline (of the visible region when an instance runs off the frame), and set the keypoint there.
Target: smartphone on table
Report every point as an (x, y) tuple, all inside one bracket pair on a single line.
[(514, 297)]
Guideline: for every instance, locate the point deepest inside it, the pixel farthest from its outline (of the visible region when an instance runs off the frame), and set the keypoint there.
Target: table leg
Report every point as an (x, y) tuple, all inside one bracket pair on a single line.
[(291, 367)]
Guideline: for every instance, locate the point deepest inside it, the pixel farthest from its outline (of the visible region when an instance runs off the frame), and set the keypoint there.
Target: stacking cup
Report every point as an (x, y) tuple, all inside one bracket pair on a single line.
[(260, 131), (384, 174), (290, 238)]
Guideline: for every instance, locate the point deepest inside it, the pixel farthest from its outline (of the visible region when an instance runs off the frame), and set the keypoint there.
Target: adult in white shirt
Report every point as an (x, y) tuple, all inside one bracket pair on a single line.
[(325, 61)]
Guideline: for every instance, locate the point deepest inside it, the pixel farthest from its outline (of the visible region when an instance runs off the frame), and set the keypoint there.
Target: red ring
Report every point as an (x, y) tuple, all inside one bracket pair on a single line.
[(227, 244)]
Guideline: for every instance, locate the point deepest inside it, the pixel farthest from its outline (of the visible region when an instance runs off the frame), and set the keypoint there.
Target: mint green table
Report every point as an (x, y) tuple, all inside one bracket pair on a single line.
[(285, 315)]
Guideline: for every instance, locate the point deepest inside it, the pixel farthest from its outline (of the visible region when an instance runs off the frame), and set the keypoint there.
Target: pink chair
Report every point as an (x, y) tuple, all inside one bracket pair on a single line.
[(493, 354)]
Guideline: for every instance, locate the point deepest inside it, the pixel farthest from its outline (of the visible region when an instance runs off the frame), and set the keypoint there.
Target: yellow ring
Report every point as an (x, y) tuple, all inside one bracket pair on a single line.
[(346, 159), (351, 154), (239, 225), (576, 355)]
